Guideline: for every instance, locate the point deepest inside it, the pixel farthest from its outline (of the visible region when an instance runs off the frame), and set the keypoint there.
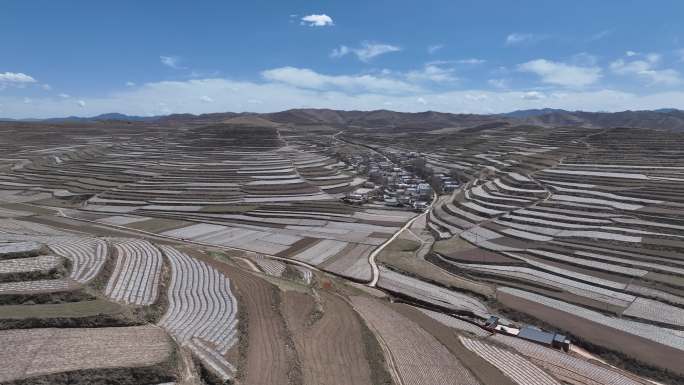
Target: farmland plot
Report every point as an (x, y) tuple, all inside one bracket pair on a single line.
[(651, 310), (270, 266), (456, 323), (87, 255), (266, 329), (135, 279), (17, 227), (331, 348), (43, 263), (567, 367), (13, 248), (652, 344), (202, 309), (516, 367), (37, 286), (427, 292), (417, 357), (26, 354)]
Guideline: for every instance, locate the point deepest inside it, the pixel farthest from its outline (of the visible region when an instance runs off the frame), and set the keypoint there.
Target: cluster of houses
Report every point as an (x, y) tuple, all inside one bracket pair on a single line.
[(389, 184), (447, 183)]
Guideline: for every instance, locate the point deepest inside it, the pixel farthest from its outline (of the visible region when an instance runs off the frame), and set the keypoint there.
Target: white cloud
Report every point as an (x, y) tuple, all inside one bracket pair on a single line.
[(476, 97), (81, 103), (562, 74), (472, 61), (434, 48), (340, 51), (533, 95), (167, 97), (522, 38), (422, 100), (631, 53), (46, 87), (366, 51), (171, 61), (206, 99), (16, 79), (433, 73), (63, 96), (317, 20), (27, 101), (130, 84), (646, 69), (306, 78)]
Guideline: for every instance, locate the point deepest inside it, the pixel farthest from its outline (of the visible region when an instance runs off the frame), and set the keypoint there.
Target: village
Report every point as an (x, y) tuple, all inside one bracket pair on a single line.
[(397, 180)]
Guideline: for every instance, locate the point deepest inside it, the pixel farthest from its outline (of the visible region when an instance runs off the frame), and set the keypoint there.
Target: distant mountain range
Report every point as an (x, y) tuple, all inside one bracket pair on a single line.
[(430, 120), (667, 118), (102, 117)]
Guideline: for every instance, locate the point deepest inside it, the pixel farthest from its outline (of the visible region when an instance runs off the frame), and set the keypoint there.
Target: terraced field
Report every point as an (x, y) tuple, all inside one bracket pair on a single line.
[(416, 357), (26, 354), (221, 251), (202, 310), (582, 221)]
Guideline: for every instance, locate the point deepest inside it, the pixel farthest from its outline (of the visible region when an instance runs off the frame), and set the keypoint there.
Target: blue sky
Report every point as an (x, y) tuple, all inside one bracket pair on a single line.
[(157, 57)]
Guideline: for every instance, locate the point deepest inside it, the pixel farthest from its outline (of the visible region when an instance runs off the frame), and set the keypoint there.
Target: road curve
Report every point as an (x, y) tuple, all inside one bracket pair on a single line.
[(378, 250)]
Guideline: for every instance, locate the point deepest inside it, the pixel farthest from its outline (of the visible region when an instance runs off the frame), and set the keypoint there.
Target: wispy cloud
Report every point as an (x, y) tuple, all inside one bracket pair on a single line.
[(561, 73), (309, 79), (647, 67), (601, 34), (206, 99), (523, 38), (467, 61), (171, 61), (366, 52), (432, 49), (81, 103), (321, 20), (471, 60), (130, 84), (64, 96)]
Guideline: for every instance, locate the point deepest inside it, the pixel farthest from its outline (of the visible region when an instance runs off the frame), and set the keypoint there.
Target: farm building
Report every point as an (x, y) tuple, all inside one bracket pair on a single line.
[(541, 337)]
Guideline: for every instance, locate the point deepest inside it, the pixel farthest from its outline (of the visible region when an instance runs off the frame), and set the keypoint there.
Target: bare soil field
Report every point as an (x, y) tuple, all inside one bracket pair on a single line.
[(481, 369), (328, 338), (414, 356), (407, 263), (267, 335)]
